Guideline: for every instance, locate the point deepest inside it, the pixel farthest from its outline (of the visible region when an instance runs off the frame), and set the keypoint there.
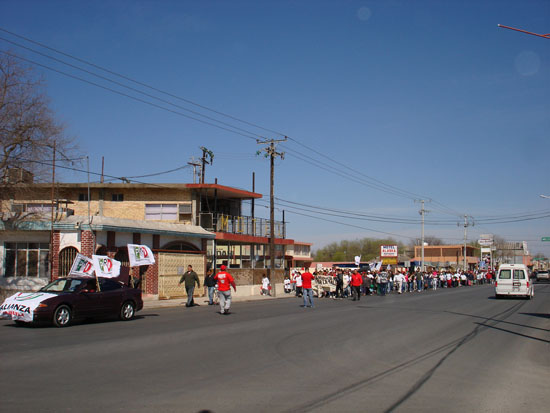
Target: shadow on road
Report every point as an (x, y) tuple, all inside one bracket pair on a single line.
[(515, 333), (541, 315), (500, 321)]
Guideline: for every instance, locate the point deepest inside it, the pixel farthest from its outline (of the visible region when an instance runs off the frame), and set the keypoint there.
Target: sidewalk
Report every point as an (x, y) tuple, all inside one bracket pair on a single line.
[(153, 302)]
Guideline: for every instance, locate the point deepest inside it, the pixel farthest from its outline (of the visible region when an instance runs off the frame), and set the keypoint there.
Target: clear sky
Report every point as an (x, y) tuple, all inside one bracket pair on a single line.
[(384, 101)]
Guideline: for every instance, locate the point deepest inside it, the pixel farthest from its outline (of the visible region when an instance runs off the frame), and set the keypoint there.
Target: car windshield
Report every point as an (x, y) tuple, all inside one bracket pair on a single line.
[(63, 285)]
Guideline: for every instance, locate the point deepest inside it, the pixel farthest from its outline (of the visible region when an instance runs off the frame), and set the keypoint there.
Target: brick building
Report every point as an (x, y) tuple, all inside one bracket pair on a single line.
[(198, 224)]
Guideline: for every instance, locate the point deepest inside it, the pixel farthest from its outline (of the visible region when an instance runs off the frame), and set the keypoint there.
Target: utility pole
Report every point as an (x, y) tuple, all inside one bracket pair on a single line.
[(51, 222), (422, 212), (194, 163), (272, 153), (467, 222), (205, 161)]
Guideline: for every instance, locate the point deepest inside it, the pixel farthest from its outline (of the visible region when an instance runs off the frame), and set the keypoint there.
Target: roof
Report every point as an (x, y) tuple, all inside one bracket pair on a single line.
[(131, 225), (209, 189)]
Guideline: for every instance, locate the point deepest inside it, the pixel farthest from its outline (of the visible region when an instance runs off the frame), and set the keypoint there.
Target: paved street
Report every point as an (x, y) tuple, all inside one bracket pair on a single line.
[(453, 350)]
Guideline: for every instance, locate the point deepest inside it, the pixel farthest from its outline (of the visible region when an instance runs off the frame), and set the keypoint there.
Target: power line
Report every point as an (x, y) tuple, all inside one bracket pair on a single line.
[(127, 95)]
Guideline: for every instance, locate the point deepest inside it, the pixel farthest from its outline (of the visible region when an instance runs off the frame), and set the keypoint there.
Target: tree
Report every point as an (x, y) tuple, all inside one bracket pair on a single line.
[(29, 133), (28, 127)]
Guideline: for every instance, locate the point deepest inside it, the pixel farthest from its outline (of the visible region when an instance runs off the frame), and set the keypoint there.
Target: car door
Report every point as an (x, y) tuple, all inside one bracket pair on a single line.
[(86, 300), (111, 296)]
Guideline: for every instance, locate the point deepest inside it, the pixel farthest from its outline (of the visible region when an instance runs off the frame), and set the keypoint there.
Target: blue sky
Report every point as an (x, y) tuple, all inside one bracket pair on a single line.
[(429, 97)]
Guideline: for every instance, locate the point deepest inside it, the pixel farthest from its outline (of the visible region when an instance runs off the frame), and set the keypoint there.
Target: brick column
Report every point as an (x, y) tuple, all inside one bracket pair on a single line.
[(87, 243), (56, 242)]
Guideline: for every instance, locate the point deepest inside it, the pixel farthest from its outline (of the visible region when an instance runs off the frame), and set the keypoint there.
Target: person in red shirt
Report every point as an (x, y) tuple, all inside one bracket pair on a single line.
[(225, 281), (356, 281), (307, 291)]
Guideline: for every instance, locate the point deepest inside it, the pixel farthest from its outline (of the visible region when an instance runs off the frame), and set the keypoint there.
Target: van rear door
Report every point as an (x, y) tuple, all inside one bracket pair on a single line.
[(504, 281)]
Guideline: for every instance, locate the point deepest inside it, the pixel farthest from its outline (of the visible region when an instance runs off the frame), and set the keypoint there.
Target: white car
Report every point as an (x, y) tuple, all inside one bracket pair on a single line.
[(513, 281), (543, 275)]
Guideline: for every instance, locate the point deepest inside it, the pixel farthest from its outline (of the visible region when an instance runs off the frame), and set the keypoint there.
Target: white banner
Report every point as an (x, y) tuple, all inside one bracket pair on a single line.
[(140, 255), (105, 266), (83, 266), (378, 266), (21, 306), (357, 260)]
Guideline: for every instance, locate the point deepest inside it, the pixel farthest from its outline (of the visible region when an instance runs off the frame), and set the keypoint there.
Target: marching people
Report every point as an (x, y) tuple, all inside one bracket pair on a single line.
[(190, 277), (307, 290), (298, 279), (356, 281), (225, 281)]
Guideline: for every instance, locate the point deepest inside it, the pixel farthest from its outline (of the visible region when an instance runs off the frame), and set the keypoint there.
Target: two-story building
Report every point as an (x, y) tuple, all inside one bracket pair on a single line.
[(198, 224)]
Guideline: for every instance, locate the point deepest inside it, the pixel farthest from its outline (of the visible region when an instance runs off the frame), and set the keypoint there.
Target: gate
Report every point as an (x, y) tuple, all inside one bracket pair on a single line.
[(171, 267), (66, 259)]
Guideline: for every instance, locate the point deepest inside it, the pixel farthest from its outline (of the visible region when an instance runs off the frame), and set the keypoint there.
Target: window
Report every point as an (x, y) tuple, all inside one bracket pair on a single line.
[(117, 197), (161, 212), (26, 259), (83, 197), (109, 285), (519, 275), (505, 274), (39, 207)]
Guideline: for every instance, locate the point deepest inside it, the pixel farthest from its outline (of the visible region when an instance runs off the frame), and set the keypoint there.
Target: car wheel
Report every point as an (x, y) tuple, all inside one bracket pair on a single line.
[(127, 311), (62, 316)]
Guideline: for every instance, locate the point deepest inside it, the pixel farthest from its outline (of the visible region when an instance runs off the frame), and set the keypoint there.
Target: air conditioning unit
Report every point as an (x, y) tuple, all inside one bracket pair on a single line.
[(207, 220)]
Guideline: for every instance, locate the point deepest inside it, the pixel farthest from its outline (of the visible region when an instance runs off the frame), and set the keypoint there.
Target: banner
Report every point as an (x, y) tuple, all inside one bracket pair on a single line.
[(387, 251), (105, 266), (357, 260), (21, 306), (140, 255), (83, 266)]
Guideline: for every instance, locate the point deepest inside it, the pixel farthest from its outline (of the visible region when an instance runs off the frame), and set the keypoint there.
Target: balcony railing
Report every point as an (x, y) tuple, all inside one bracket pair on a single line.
[(258, 227)]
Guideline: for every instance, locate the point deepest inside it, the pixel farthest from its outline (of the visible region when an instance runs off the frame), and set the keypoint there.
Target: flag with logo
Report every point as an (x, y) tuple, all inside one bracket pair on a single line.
[(82, 266), (105, 266), (357, 260), (140, 255)]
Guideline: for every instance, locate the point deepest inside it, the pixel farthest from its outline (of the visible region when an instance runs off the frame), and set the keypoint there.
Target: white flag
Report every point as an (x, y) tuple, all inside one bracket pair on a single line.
[(357, 260), (105, 266), (83, 266), (378, 265), (140, 255)]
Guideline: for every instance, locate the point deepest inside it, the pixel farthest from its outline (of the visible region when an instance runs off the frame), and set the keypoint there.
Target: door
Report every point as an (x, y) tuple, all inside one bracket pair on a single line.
[(504, 281), (172, 265), (519, 283)]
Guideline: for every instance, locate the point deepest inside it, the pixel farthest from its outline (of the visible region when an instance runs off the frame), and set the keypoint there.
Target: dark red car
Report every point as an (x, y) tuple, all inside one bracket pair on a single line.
[(80, 298)]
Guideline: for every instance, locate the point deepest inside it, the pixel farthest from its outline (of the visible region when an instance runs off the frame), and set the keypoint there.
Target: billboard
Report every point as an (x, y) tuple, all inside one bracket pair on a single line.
[(388, 251)]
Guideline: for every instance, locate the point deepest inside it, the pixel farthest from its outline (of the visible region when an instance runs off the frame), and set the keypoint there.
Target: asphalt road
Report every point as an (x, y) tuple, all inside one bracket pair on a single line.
[(456, 350)]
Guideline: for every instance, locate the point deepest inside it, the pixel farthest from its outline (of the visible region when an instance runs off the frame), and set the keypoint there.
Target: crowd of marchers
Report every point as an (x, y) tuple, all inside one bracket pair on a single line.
[(344, 283)]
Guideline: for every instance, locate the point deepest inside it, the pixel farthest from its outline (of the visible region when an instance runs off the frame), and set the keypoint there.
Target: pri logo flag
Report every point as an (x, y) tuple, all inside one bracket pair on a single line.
[(357, 260), (105, 266), (140, 255), (82, 265)]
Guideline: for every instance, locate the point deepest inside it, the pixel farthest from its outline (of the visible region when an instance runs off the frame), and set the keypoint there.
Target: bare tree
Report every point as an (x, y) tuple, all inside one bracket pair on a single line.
[(29, 132), (28, 128)]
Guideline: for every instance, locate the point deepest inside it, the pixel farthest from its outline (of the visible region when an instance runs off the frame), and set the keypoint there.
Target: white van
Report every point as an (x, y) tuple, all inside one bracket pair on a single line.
[(513, 280)]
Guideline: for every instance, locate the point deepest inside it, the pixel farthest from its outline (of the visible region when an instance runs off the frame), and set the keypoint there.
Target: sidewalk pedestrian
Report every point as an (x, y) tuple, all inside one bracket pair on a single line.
[(225, 281), (210, 285), (190, 277), (266, 285)]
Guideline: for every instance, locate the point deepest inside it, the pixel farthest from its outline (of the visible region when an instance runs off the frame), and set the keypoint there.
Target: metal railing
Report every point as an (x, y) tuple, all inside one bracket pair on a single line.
[(258, 227)]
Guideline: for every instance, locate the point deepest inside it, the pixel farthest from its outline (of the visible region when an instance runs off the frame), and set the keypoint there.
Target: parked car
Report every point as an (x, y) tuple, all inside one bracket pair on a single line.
[(543, 275), (71, 298), (513, 280)]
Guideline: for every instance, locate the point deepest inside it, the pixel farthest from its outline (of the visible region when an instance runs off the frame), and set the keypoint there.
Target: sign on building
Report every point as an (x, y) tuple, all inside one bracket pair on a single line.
[(388, 254)]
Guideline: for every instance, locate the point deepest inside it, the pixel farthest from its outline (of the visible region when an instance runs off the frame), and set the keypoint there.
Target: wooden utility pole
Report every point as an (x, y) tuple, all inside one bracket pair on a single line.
[(272, 153), (51, 222), (205, 161)]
